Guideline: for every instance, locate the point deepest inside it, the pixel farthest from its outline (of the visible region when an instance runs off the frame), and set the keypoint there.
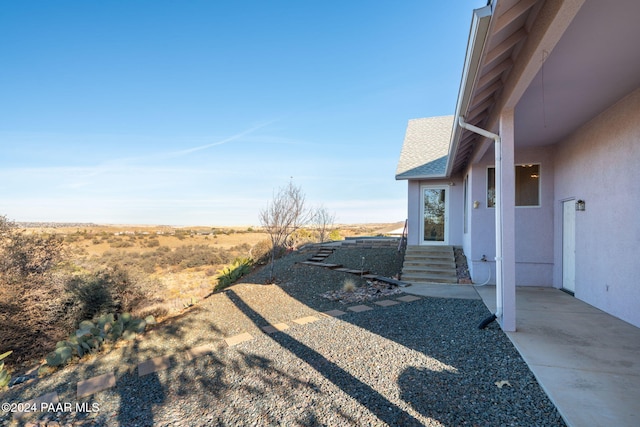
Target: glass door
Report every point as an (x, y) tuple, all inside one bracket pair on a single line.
[(434, 214)]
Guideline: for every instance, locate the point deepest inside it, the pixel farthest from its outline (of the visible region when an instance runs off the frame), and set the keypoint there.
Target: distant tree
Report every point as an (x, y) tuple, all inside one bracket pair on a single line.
[(323, 222), (285, 214)]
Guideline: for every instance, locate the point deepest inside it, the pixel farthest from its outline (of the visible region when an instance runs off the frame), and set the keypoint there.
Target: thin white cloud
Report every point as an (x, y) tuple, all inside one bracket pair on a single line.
[(223, 141)]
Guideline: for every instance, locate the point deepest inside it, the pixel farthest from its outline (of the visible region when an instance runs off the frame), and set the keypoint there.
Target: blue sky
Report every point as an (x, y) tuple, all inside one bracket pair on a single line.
[(195, 112)]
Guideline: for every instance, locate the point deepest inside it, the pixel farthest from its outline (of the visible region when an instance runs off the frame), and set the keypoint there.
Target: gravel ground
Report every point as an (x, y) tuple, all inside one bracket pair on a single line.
[(418, 363)]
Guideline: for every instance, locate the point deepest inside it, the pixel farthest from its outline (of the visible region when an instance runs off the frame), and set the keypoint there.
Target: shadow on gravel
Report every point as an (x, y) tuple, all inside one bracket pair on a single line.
[(380, 406), (137, 404), (445, 330)]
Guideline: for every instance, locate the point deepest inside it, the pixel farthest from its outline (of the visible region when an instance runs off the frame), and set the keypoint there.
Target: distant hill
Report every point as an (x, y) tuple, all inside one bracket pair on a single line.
[(55, 224)]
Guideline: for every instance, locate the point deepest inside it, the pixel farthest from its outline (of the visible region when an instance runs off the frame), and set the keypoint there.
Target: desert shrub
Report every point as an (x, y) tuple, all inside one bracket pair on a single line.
[(31, 294), (90, 295), (231, 273), (116, 288), (71, 238), (301, 237), (242, 248), (261, 251), (153, 243), (120, 243), (335, 235), (147, 264), (22, 255), (92, 334), (349, 285), (4, 375)]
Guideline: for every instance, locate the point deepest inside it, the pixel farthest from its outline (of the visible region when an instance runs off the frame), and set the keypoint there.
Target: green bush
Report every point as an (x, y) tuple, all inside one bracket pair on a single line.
[(4, 375), (92, 334), (229, 274), (335, 235)]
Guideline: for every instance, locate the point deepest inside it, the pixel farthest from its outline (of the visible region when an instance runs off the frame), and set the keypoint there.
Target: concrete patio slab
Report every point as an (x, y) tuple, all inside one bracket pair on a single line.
[(305, 320), (237, 339), (359, 308), (38, 401), (334, 313), (585, 360), (591, 398), (270, 329), (408, 298), (386, 303), (196, 352), (95, 384), (153, 365), (438, 290)]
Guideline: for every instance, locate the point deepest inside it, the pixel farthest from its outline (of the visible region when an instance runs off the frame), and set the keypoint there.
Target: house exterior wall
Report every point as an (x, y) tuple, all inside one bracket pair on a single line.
[(455, 194), (534, 225), (599, 163)]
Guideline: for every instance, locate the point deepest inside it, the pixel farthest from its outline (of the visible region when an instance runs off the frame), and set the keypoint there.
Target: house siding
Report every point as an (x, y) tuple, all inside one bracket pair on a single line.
[(455, 225), (534, 231), (599, 163)]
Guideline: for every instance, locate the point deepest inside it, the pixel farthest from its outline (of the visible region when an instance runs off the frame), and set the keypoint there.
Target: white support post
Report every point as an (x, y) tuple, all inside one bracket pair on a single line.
[(506, 206)]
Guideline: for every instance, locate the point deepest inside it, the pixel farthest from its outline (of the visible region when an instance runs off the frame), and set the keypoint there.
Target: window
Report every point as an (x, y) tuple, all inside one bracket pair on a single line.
[(527, 185), (466, 204)]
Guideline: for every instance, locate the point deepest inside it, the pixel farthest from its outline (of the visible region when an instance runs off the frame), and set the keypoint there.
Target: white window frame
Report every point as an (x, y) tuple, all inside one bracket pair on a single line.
[(447, 198)]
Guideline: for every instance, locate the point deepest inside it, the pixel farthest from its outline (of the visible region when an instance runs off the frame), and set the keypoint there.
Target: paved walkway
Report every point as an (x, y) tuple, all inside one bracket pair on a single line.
[(587, 361)]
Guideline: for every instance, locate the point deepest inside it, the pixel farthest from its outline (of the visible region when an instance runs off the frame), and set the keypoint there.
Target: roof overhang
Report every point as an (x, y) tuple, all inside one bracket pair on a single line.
[(425, 149), (557, 64), (475, 48)]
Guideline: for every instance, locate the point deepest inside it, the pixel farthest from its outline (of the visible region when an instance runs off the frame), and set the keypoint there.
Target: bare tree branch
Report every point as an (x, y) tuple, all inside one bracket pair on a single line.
[(283, 216), (323, 222)]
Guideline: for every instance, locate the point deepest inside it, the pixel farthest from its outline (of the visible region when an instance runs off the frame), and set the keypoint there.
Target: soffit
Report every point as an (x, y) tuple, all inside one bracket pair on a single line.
[(508, 31)]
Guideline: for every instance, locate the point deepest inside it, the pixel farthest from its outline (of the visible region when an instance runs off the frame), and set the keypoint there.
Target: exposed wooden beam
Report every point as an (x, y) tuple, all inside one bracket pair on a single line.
[(480, 97), (514, 13), (494, 73), (506, 45), (475, 111)]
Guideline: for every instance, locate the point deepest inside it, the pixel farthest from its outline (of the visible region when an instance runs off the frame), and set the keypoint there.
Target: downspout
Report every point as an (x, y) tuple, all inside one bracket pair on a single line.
[(498, 215)]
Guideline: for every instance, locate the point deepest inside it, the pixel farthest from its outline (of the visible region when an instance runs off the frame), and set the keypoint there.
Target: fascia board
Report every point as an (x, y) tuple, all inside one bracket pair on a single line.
[(475, 49)]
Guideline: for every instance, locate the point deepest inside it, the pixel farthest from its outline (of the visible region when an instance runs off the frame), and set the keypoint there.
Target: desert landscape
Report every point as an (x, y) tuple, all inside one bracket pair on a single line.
[(148, 270)]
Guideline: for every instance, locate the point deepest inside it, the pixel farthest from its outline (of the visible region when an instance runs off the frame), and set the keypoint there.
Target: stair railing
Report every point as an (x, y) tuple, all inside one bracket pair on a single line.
[(403, 239)]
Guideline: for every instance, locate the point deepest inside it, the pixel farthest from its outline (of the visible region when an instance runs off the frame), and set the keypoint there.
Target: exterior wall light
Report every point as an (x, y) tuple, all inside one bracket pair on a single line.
[(580, 205), (476, 204)]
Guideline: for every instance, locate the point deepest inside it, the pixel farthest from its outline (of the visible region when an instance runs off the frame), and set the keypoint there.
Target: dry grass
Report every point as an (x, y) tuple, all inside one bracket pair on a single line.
[(349, 285), (170, 288)]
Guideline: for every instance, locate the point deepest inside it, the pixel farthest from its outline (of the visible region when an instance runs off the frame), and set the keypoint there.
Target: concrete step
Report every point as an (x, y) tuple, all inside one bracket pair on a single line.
[(421, 258), (429, 264), (428, 269), (423, 249), (430, 261), (418, 274), (429, 278)]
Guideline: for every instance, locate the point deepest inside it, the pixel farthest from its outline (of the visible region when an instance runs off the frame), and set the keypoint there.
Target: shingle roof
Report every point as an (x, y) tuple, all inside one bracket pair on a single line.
[(426, 148)]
